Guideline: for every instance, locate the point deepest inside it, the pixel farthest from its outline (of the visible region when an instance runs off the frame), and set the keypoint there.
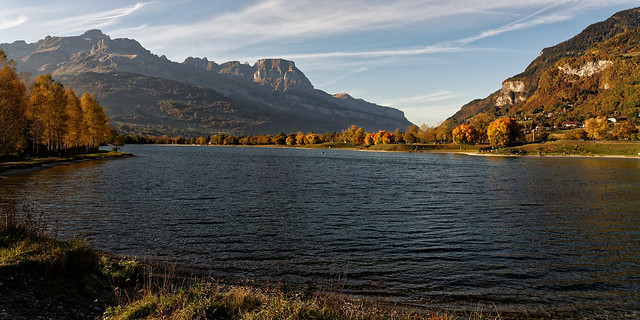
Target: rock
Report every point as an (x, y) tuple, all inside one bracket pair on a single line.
[(512, 92), (280, 74), (588, 69)]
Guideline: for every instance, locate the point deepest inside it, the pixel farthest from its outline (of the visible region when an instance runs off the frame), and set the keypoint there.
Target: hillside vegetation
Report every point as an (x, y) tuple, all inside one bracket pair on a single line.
[(547, 94)]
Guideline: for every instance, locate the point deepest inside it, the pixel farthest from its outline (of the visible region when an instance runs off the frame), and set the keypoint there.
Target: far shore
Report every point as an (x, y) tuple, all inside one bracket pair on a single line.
[(559, 148)]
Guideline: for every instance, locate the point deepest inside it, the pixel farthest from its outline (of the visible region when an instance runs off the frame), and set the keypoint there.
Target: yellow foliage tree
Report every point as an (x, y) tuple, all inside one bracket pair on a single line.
[(503, 132), (354, 135), (625, 130), (369, 139), (47, 113), (290, 140), (312, 138), (465, 134), (95, 122), (12, 111), (596, 128), (300, 138), (74, 128)]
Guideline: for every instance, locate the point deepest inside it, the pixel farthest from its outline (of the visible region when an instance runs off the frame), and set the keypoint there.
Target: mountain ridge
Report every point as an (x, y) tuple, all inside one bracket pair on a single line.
[(519, 88), (270, 96)]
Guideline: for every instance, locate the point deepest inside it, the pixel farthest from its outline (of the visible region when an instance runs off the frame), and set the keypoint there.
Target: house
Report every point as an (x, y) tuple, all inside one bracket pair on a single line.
[(572, 124)]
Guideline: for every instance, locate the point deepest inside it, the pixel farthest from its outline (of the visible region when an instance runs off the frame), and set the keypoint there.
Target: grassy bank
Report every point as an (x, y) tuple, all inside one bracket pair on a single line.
[(582, 148), (41, 277), (24, 164), (551, 148)]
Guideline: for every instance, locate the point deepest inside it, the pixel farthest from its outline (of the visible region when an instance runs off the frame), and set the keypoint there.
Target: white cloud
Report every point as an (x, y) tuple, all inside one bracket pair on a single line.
[(343, 76), (422, 99), (81, 23), (12, 22), (32, 21), (285, 22)]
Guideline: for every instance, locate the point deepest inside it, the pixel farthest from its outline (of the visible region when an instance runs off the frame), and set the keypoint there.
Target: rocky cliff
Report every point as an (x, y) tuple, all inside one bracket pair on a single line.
[(197, 96), (517, 92)]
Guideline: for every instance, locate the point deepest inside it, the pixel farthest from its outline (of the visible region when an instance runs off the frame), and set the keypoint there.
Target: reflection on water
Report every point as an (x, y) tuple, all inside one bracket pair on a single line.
[(534, 235)]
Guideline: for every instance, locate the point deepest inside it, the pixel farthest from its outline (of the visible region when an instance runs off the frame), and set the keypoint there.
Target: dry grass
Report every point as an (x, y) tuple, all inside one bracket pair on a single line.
[(577, 147), (206, 301)]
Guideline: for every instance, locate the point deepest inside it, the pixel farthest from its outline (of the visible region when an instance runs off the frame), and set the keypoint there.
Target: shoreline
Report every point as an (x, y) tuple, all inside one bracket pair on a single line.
[(433, 151), (12, 168), (601, 156)]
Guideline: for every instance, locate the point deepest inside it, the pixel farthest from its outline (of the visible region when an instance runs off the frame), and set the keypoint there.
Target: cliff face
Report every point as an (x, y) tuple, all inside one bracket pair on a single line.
[(270, 96), (512, 92), (518, 90), (280, 75)]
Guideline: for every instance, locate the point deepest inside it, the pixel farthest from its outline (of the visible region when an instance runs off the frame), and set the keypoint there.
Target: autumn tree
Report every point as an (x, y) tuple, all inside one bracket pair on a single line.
[(47, 114), (443, 132), (119, 140), (503, 132), (398, 136), (95, 122), (291, 140), (383, 137), (481, 123), (369, 139), (465, 134), (74, 126), (230, 141), (427, 133), (411, 134), (625, 130), (312, 138), (280, 139), (13, 103), (354, 135), (300, 138), (596, 128)]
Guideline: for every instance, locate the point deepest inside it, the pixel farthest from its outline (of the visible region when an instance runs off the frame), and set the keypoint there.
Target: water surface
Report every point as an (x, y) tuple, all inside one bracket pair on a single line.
[(534, 235)]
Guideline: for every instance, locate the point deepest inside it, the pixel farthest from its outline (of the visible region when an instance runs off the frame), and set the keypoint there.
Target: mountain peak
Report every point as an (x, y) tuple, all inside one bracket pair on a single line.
[(342, 96), (281, 74), (94, 35)]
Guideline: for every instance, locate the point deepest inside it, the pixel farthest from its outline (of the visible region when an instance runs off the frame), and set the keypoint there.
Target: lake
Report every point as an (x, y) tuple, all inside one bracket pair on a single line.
[(535, 235)]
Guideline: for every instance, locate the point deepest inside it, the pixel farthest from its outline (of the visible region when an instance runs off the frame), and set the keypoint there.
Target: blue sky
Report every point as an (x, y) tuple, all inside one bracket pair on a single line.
[(425, 57)]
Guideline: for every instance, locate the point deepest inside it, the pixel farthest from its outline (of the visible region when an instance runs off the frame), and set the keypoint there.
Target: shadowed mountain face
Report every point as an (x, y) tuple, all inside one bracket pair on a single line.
[(148, 94), (530, 94)]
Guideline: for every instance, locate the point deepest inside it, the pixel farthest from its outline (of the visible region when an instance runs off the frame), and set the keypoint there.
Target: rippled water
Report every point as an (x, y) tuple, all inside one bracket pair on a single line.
[(534, 235)]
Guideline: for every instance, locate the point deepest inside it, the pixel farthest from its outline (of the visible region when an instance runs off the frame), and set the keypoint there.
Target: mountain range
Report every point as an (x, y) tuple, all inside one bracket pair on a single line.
[(148, 94), (595, 73)]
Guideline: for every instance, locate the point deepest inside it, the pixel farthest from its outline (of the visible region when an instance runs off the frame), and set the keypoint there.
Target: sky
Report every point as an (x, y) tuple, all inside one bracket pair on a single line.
[(424, 57)]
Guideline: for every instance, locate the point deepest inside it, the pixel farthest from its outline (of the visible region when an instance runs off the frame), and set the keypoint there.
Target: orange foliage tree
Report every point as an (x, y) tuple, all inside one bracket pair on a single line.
[(465, 134), (12, 111), (503, 132)]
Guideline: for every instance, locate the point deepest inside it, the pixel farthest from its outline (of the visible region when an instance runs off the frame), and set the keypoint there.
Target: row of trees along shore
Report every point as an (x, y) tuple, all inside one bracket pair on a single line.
[(43, 117), (501, 132), (352, 136)]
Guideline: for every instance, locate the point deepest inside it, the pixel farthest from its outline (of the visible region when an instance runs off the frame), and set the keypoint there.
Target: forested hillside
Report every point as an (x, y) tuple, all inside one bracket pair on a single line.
[(528, 95)]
